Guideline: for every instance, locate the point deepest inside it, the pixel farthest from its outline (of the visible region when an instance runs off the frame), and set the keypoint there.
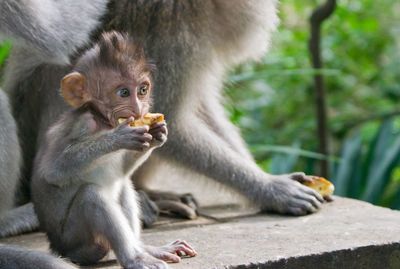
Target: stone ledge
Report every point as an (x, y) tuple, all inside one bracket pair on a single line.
[(344, 234), (369, 257)]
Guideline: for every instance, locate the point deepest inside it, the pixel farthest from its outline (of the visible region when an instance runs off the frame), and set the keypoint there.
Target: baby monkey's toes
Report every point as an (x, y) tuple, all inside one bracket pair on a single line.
[(181, 248), (172, 252)]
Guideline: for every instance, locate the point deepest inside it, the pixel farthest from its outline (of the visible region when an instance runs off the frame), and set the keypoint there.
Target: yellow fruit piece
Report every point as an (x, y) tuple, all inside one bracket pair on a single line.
[(321, 185), (147, 119), (121, 120)]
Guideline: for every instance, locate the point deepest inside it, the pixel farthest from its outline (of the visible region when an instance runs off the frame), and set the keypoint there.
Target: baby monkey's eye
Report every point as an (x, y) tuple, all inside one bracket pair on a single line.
[(143, 89), (124, 92)]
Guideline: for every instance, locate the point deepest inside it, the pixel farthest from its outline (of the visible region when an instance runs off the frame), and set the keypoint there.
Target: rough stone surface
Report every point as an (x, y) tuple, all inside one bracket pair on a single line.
[(344, 234)]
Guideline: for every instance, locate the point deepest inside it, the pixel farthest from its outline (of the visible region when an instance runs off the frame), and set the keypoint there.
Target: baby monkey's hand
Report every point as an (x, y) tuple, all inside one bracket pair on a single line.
[(132, 138), (159, 132)]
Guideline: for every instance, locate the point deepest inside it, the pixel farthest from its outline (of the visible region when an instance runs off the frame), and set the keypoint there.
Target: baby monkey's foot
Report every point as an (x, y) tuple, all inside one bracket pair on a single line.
[(145, 261), (172, 252)]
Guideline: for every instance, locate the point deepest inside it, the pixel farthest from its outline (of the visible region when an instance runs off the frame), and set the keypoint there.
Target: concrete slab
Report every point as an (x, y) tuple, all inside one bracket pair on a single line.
[(344, 234)]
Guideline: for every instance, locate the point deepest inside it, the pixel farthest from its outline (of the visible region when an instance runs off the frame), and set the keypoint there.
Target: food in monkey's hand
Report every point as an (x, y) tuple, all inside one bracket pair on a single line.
[(147, 119), (321, 185)]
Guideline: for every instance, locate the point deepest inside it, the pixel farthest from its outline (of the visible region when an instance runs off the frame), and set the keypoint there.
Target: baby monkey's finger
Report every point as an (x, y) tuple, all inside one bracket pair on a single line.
[(126, 121), (146, 137), (160, 127), (138, 146), (159, 131), (160, 137), (141, 129)]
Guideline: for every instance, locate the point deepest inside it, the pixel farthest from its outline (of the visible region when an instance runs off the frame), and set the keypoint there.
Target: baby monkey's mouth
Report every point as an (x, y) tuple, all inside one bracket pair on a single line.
[(120, 115)]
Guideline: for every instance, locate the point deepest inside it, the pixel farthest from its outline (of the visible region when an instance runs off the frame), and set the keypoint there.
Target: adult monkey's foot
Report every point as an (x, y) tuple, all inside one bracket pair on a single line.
[(281, 193), (149, 209), (284, 194), (168, 203)]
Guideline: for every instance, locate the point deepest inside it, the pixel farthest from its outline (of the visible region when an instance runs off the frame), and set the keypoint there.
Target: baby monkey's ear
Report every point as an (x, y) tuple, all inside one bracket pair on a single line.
[(73, 89)]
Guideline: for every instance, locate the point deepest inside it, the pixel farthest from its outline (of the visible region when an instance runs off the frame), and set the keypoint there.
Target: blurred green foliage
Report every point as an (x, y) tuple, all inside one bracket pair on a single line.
[(273, 101), (370, 171), (5, 48)]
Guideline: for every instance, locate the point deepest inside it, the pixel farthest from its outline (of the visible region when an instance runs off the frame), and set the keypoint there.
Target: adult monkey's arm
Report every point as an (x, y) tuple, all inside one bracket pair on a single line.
[(54, 29)]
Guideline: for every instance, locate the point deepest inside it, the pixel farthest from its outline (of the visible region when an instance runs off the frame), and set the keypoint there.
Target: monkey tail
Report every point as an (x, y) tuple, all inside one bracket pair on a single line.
[(18, 220), (13, 257)]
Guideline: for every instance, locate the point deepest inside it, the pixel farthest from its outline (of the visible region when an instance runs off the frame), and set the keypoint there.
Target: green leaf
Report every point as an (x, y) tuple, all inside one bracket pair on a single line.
[(384, 162), (376, 150), (345, 174), (262, 149)]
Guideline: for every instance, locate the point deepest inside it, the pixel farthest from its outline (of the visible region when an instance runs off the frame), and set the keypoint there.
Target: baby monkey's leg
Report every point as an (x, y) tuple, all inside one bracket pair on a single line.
[(129, 202), (103, 219), (168, 253)]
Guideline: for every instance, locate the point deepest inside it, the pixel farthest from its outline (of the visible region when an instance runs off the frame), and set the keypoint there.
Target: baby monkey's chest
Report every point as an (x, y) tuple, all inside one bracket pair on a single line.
[(108, 174)]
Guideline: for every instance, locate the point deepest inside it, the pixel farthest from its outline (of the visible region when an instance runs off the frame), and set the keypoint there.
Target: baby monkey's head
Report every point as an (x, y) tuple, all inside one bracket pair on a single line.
[(113, 77)]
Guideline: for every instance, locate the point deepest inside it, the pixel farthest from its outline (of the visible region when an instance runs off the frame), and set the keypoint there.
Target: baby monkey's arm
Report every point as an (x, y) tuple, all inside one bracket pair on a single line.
[(78, 149)]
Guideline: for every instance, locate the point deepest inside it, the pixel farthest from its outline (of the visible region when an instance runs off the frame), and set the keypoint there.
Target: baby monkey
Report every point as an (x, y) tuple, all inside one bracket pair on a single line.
[(81, 187)]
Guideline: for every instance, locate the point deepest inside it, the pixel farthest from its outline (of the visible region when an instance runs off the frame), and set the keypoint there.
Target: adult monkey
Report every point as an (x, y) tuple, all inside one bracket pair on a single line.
[(193, 43)]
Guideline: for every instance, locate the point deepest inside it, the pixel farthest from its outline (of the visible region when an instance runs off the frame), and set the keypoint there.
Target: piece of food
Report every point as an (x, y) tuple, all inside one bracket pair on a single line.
[(147, 119), (321, 185)]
